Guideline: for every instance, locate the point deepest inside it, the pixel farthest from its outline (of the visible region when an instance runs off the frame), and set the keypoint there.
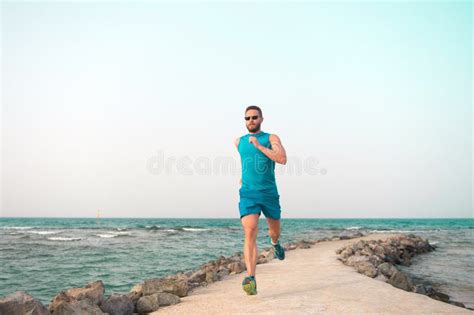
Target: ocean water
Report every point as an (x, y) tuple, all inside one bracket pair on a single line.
[(45, 255)]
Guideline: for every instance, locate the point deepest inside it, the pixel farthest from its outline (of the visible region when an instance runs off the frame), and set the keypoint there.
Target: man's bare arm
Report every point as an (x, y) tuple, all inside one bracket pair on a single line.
[(277, 153), (236, 142)]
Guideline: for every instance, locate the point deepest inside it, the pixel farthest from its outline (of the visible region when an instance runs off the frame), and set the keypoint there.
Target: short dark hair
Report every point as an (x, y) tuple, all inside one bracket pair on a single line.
[(254, 107)]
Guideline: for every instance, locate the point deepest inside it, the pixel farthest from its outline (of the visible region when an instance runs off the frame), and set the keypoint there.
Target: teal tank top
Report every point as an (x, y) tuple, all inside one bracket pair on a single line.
[(258, 171)]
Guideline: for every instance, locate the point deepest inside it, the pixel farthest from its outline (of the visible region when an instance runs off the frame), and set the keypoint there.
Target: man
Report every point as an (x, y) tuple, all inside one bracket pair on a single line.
[(259, 151)]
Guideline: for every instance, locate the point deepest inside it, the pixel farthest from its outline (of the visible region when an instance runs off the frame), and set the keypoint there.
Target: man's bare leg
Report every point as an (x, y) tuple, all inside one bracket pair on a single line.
[(250, 225), (273, 229)]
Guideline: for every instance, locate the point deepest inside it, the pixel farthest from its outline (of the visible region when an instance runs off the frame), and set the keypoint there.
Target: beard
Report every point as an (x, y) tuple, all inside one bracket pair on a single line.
[(253, 128)]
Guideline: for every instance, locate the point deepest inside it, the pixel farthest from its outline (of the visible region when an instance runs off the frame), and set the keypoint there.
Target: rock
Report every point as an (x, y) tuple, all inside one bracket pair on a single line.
[(457, 303), (135, 293), (198, 276), (438, 295), (221, 274), (193, 285), (366, 268), (211, 276), (379, 251), (401, 280), (391, 254), (405, 258), (387, 269), (165, 299), (138, 289), (348, 234), (353, 260), (93, 293), (419, 288), (176, 285), (236, 267), (148, 303), (347, 252), (288, 247), (117, 304), (375, 260), (82, 307), (19, 303), (303, 244), (381, 277)]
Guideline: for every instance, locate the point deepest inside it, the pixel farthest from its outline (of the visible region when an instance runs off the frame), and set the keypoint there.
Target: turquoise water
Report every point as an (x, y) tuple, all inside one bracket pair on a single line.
[(45, 255)]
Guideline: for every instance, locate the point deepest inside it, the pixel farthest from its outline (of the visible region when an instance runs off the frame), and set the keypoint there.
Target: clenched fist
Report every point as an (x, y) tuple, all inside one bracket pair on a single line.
[(254, 141)]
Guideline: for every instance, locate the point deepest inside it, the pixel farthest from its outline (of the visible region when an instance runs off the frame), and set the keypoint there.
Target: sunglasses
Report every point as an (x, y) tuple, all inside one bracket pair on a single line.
[(253, 117)]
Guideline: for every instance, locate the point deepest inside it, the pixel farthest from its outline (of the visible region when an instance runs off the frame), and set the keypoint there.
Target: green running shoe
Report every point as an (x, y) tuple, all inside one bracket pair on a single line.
[(278, 251), (249, 285)]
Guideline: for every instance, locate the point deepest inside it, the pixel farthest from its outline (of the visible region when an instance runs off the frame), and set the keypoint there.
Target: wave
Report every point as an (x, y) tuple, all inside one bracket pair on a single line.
[(114, 234), (106, 235), (17, 227), (353, 228), (195, 229), (402, 231), (64, 239), (176, 229), (43, 232)]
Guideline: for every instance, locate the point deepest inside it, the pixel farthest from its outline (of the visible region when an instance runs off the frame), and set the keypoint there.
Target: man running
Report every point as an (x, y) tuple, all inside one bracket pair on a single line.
[(258, 192)]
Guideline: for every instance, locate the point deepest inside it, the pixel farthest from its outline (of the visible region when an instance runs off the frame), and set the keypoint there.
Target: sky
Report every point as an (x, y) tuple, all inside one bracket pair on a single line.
[(132, 108)]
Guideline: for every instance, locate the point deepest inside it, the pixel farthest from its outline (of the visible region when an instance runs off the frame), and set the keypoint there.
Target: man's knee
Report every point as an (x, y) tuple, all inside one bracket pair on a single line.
[(251, 231)]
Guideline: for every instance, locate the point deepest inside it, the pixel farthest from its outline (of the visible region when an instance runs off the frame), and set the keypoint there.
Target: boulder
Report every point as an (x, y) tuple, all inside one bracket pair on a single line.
[(347, 252), (375, 260), (387, 269), (221, 274), (165, 299), (381, 277), (211, 276), (82, 307), (303, 244), (236, 267), (19, 303), (366, 268), (348, 234), (353, 260), (148, 303), (198, 276), (176, 285), (401, 280), (92, 293), (118, 304)]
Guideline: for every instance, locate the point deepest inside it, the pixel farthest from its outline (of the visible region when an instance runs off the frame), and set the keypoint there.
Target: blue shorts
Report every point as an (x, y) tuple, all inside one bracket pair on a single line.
[(270, 205)]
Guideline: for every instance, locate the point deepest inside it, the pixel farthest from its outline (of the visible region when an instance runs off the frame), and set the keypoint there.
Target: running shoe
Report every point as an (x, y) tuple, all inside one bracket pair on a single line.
[(278, 251), (249, 285)]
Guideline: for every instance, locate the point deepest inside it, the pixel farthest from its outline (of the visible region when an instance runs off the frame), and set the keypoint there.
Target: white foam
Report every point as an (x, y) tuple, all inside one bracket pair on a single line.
[(353, 228), (44, 232), (195, 229), (113, 234), (17, 227), (106, 235), (64, 239)]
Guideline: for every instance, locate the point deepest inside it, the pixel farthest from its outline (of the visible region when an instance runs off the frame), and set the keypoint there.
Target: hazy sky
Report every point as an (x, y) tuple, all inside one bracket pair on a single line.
[(130, 108)]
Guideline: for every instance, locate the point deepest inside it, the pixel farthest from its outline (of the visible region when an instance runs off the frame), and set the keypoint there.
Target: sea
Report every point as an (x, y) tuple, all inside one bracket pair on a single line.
[(43, 256)]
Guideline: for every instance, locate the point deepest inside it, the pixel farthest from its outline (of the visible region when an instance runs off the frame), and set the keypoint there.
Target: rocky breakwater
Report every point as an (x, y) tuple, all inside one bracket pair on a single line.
[(147, 296), (378, 259)]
